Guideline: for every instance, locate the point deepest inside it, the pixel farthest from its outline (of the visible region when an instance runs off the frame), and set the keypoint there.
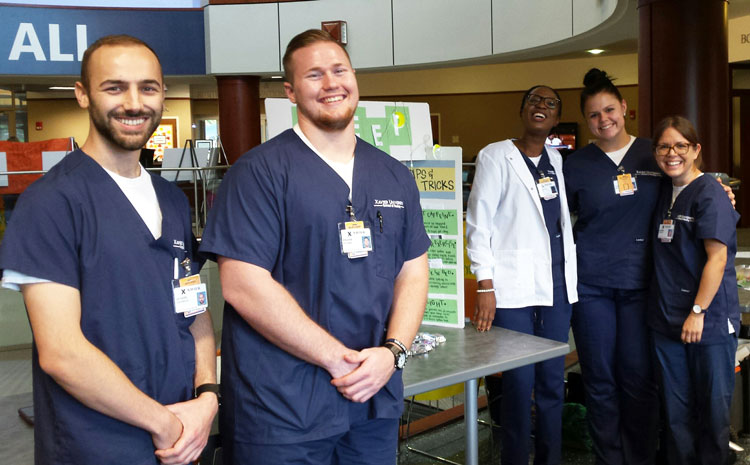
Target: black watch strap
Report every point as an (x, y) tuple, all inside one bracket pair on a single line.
[(208, 387)]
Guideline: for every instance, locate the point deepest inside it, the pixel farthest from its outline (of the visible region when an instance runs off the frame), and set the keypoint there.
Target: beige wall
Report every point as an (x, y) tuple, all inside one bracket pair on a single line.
[(204, 108), (180, 108), (64, 118), (59, 117)]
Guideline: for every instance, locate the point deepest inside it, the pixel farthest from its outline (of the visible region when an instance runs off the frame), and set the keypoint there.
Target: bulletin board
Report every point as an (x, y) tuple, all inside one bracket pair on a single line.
[(165, 137)]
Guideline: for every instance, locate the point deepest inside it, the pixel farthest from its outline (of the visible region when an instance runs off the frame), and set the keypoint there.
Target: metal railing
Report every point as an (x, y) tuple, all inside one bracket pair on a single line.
[(200, 209)]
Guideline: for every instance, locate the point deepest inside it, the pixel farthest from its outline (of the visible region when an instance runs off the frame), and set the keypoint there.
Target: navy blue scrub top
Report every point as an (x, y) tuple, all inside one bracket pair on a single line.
[(701, 211), (551, 210), (74, 226), (279, 208), (612, 231)]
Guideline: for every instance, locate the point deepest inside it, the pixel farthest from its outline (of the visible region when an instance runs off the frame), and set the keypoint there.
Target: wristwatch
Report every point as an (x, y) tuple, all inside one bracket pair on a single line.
[(208, 387), (698, 310), (399, 354)]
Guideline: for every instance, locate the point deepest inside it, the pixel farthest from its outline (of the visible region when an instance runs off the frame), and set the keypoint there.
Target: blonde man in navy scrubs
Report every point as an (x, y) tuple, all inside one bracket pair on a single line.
[(317, 322), (95, 246)]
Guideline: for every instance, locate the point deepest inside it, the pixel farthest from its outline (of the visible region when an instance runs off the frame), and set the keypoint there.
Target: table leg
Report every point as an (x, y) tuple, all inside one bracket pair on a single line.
[(470, 417)]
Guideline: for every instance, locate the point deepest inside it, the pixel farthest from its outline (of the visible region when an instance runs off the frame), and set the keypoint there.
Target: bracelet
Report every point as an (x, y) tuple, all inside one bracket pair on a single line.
[(398, 343), (484, 291)]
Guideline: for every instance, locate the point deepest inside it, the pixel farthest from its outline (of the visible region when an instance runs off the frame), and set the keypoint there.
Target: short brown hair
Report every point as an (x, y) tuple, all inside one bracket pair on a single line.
[(302, 40), (111, 41), (681, 125)]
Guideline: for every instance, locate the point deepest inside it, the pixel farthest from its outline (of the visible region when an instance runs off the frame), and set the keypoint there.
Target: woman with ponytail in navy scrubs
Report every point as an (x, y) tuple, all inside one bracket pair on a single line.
[(613, 186), (695, 315), (521, 248)]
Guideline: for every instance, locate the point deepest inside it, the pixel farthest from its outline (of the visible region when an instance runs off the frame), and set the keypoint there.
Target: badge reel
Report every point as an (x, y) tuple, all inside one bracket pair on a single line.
[(189, 294), (546, 188), (625, 184), (355, 237)]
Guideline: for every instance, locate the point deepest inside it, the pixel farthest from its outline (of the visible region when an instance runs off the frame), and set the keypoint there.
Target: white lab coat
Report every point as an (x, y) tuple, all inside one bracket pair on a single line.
[(508, 241)]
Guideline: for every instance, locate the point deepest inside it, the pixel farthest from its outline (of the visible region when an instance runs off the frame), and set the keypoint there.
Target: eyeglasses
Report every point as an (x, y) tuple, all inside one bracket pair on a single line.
[(680, 148), (549, 102)]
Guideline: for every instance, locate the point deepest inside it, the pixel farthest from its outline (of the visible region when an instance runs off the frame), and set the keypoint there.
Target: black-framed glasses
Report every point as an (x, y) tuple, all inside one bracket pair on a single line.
[(680, 148), (549, 102)]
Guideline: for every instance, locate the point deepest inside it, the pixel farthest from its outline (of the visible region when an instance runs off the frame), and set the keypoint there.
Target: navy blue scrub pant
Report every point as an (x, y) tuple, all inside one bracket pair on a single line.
[(697, 384), (622, 401), (367, 442), (545, 379)]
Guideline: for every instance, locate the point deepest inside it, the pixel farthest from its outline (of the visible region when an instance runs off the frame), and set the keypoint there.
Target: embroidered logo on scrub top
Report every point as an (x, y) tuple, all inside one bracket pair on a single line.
[(178, 244), (655, 174), (388, 203), (687, 219)]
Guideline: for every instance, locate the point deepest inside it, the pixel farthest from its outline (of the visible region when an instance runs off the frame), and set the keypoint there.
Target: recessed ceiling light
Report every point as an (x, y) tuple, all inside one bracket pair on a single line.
[(595, 51), (277, 77), (61, 88)]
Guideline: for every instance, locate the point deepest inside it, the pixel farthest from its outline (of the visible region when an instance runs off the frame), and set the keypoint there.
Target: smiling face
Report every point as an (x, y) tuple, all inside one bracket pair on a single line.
[(605, 116), (125, 96), (323, 86), (538, 118), (681, 168)]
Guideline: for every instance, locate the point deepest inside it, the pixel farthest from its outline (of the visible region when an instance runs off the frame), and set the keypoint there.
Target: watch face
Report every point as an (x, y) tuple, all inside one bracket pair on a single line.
[(697, 309), (401, 361)]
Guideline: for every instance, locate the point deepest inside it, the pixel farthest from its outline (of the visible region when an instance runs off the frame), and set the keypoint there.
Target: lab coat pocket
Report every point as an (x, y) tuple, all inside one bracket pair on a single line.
[(514, 272)]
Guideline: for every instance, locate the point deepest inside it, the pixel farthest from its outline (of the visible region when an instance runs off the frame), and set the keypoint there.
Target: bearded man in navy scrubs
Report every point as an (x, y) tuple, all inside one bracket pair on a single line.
[(95, 246), (317, 322)]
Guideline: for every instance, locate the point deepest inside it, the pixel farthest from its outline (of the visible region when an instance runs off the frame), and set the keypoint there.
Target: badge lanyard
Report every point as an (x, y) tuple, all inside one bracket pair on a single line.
[(666, 228), (355, 237), (625, 183), (189, 294)]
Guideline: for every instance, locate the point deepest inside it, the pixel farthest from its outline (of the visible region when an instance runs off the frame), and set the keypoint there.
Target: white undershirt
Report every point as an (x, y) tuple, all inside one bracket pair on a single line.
[(677, 189), (141, 194), (345, 170), (618, 155)]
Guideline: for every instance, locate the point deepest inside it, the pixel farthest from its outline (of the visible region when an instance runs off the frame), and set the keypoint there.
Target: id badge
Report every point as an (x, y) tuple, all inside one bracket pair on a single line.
[(190, 296), (546, 188), (666, 231), (355, 239), (625, 184)]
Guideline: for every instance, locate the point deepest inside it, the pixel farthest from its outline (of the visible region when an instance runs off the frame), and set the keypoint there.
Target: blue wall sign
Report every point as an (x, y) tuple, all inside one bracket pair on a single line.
[(51, 41)]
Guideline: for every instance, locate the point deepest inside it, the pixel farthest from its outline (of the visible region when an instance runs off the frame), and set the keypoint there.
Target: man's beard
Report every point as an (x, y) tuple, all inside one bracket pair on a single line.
[(329, 123), (104, 125)]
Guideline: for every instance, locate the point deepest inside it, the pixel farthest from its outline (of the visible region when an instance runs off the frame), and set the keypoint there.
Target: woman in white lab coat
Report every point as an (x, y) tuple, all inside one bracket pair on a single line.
[(521, 248)]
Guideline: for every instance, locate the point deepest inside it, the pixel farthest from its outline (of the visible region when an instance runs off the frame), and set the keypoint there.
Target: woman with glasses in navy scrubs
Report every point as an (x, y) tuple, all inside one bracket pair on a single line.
[(695, 316), (612, 187), (521, 248)]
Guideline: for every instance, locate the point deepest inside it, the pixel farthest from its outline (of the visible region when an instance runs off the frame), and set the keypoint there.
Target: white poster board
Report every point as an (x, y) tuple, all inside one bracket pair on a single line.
[(441, 196), (173, 158), (400, 129)]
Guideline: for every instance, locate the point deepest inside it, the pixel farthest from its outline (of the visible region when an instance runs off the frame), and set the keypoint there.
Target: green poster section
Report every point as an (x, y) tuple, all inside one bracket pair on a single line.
[(441, 221), (443, 311), (443, 250)]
